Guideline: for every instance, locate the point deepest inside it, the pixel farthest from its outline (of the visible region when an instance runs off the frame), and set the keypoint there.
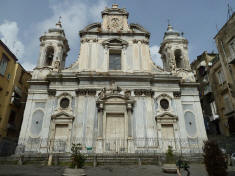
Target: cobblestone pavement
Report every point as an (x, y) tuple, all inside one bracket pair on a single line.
[(30, 170)]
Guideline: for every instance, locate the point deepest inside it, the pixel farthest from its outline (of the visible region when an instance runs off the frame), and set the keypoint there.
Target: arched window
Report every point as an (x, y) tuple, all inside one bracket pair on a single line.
[(178, 58), (49, 56)]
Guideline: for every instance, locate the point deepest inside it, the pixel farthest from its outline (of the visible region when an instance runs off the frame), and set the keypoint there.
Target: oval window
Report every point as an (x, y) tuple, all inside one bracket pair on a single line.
[(37, 120), (164, 103), (64, 103), (190, 123)]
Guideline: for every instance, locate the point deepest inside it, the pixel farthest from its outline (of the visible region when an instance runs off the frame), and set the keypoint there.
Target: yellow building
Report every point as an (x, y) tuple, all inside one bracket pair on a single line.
[(225, 41), (13, 92)]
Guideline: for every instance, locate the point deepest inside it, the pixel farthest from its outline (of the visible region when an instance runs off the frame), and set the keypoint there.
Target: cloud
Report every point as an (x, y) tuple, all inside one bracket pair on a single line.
[(28, 66), (9, 35), (155, 55), (76, 14)]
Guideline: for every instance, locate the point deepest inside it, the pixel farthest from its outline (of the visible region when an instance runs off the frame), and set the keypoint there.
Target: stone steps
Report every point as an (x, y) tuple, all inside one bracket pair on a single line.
[(74, 172), (92, 159)]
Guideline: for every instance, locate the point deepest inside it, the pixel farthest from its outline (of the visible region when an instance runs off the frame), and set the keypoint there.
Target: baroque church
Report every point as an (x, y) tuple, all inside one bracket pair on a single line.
[(113, 99)]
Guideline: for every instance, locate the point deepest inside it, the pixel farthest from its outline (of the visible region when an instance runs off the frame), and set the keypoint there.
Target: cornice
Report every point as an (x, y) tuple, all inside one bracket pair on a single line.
[(120, 33)]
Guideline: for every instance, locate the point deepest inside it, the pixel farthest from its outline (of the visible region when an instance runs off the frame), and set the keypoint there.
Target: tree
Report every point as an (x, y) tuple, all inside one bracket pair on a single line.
[(214, 159), (170, 157), (78, 159)]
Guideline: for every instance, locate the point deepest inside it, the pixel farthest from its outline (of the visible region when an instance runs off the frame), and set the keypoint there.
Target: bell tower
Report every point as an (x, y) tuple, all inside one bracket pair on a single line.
[(174, 51), (53, 49)]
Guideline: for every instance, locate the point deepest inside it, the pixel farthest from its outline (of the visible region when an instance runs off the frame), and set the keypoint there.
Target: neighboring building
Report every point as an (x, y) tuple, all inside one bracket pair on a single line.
[(13, 93), (225, 41), (113, 98), (206, 67)]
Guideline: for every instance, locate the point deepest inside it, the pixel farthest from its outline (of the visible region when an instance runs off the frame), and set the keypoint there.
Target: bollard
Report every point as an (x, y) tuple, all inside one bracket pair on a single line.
[(50, 160), (20, 161), (139, 162), (94, 161)]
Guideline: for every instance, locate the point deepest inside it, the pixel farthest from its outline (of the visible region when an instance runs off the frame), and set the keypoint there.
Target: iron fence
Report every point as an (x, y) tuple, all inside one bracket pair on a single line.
[(116, 145)]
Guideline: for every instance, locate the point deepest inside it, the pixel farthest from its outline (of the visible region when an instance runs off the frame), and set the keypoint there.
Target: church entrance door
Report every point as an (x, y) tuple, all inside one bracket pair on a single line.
[(168, 136), (115, 133)]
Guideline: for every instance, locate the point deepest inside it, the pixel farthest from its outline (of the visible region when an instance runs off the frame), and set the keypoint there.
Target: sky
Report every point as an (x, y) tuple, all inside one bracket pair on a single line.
[(22, 22)]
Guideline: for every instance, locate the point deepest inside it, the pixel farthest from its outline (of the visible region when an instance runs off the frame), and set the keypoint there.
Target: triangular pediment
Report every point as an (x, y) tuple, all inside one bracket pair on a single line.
[(115, 41)]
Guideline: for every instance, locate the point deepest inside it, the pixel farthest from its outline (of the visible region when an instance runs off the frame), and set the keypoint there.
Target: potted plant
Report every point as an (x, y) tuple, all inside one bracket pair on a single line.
[(169, 166)]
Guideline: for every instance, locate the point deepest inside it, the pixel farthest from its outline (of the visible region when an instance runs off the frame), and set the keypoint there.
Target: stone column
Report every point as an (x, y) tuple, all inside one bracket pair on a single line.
[(124, 59), (129, 107), (99, 142), (106, 58)]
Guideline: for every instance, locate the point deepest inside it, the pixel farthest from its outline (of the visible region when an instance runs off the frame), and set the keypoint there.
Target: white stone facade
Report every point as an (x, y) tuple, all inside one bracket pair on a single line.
[(113, 99)]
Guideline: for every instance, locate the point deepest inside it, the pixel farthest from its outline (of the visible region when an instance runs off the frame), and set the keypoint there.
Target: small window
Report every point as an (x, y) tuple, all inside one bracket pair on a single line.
[(64, 103), (49, 56), (164, 104), (115, 60), (3, 64)]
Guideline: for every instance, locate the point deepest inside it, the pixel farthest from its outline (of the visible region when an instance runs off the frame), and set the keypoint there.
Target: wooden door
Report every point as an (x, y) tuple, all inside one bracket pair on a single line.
[(115, 133), (61, 137), (168, 136)]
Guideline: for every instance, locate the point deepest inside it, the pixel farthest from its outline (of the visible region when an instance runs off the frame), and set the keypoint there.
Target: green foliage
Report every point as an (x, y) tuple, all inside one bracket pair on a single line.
[(170, 157), (78, 159), (214, 159)]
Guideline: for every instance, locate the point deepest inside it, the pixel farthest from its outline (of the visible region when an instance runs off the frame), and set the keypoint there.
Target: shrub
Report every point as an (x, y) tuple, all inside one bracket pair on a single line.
[(78, 159), (170, 157), (214, 159)]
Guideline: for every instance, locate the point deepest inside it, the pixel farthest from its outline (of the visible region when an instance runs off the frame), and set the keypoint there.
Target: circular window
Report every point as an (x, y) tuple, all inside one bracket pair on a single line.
[(64, 103), (164, 103)]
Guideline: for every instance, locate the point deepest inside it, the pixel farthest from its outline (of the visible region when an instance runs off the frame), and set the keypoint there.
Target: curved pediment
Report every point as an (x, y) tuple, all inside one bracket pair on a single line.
[(62, 115), (94, 27), (114, 41), (166, 116), (116, 97), (138, 28), (164, 95)]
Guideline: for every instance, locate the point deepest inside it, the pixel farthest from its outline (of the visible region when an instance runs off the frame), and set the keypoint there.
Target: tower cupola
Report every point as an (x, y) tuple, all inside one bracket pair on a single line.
[(174, 50), (53, 48)]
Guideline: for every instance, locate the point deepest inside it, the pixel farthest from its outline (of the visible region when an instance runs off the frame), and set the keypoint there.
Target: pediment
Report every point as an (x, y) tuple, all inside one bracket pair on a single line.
[(138, 28), (114, 11), (62, 115), (114, 41), (115, 98), (166, 116), (94, 27)]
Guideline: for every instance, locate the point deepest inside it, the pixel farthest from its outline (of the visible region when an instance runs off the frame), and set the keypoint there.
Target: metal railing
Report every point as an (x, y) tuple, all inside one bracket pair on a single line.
[(116, 145)]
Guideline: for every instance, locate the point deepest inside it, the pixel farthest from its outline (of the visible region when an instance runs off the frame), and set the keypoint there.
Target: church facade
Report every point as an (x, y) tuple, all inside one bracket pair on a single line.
[(113, 99)]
